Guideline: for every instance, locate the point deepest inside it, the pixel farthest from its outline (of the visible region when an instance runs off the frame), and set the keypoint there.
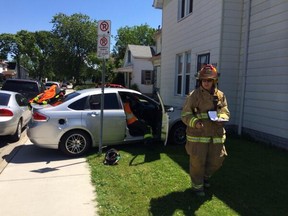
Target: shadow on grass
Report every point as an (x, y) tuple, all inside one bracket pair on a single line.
[(252, 181), (183, 201)]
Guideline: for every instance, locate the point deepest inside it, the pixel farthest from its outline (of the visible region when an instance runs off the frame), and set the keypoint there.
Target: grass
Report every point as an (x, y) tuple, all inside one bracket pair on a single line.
[(154, 180)]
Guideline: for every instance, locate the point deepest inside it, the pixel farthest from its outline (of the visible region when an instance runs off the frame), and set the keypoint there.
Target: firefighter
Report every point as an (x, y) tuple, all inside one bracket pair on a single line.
[(205, 137), (136, 126)]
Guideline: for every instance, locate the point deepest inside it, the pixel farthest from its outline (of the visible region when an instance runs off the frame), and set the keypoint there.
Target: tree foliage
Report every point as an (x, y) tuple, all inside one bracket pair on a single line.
[(13, 45), (69, 50), (77, 36), (137, 35), (38, 52)]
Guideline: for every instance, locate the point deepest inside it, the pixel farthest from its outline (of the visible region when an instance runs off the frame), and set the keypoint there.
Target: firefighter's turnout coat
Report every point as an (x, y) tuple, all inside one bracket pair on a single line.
[(205, 145), (196, 108)]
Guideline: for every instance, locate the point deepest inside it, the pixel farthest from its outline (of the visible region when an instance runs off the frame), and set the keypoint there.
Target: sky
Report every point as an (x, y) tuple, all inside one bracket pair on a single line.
[(36, 15)]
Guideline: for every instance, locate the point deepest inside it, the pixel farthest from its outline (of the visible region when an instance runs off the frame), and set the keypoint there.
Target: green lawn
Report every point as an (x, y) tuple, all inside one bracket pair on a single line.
[(154, 180)]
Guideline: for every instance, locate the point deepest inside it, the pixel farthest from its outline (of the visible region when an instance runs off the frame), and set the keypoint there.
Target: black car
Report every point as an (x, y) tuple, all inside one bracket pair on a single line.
[(28, 88)]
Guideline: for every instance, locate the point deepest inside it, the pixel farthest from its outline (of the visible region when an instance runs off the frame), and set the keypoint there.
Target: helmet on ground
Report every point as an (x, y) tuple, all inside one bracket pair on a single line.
[(208, 71), (112, 157)]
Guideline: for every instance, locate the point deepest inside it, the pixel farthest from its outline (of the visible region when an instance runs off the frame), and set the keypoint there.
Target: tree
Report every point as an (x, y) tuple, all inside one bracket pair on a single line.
[(28, 49), (11, 44), (37, 53), (137, 35), (77, 36)]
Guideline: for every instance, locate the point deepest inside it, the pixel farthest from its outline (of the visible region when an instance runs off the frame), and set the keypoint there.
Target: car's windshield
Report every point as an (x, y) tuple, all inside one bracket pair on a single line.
[(50, 84)]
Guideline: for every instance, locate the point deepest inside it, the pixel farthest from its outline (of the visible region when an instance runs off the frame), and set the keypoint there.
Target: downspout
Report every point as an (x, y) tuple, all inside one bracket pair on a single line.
[(245, 63), (221, 39)]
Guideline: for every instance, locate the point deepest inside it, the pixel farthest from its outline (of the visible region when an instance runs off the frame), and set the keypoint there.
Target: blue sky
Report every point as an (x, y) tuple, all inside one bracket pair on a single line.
[(36, 15)]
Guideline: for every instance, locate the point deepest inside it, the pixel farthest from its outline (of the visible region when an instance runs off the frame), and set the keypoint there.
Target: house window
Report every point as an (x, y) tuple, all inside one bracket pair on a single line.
[(185, 8), (146, 77), (187, 72), (183, 73), (201, 60), (129, 56), (179, 73)]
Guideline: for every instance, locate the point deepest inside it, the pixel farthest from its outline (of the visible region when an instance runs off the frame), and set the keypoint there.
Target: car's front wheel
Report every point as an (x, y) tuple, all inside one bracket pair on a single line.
[(75, 143), (177, 134)]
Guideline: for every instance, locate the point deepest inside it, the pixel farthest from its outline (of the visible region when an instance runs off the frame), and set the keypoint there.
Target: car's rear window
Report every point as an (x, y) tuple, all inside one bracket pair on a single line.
[(20, 86), (70, 96), (4, 99)]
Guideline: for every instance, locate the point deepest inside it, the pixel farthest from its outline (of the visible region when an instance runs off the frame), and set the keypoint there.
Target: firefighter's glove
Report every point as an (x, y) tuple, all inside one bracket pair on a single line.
[(219, 123), (199, 125)]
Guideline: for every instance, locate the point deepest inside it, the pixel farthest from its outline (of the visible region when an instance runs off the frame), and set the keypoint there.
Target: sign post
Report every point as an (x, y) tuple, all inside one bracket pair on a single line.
[(103, 51)]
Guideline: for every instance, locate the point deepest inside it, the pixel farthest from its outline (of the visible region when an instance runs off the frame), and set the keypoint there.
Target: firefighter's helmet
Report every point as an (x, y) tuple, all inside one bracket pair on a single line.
[(208, 71), (112, 157)]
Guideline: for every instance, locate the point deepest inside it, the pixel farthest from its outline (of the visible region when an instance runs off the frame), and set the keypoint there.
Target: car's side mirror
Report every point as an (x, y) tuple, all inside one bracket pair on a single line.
[(169, 109)]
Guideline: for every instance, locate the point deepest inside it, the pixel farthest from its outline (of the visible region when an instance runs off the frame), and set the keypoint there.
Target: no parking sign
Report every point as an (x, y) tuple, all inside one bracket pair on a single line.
[(103, 45)]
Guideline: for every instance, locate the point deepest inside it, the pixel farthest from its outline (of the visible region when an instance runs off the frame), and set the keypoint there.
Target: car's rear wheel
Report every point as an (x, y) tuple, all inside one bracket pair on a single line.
[(17, 135), (177, 135), (75, 143)]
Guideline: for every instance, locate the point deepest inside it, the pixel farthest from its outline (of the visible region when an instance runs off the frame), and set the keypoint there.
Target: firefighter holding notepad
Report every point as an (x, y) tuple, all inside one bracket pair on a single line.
[(205, 136)]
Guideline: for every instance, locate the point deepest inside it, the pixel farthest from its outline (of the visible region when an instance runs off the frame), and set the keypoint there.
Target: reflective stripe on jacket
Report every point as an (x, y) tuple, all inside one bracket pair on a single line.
[(195, 109), (130, 117)]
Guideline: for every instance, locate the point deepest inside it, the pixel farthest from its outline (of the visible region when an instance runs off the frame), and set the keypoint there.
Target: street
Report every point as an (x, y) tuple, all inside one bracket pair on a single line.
[(9, 149)]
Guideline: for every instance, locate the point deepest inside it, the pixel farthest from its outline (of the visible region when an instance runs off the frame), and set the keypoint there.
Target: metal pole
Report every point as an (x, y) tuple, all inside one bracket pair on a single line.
[(102, 108)]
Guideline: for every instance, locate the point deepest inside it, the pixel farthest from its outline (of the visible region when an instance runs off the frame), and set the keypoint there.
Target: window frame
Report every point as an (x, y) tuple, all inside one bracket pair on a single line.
[(185, 8), (146, 77), (129, 56), (201, 60), (183, 73)]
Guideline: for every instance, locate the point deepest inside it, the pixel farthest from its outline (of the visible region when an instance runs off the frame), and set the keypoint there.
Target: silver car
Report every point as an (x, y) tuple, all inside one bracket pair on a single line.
[(76, 124), (15, 114)]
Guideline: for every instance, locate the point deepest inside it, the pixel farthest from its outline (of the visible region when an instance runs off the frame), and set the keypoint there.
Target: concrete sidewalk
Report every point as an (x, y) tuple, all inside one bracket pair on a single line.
[(44, 182)]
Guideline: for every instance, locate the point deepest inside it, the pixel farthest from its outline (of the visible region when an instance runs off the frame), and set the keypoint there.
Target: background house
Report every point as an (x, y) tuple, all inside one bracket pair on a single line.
[(9, 70), (137, 68), (156, 60), (248, 43)]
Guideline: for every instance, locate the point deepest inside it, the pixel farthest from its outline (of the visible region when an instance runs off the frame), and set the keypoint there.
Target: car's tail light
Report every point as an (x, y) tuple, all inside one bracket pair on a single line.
[(39, 117), (6, 112)]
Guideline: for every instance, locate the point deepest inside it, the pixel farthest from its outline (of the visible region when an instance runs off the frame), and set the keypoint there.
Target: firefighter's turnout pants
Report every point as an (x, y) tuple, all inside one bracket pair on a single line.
[(204, 145)]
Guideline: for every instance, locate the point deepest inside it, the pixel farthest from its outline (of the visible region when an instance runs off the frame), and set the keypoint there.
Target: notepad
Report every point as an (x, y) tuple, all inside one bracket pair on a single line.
[(213, 117)]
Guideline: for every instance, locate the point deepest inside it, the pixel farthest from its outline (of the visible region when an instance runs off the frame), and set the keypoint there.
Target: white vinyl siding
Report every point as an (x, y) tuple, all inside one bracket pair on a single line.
[(194, 33), (266, 92), (223, 29)]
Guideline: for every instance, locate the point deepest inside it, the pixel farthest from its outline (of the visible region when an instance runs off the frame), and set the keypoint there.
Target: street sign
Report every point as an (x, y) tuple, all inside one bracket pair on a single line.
[(103, 45), (104, 27)]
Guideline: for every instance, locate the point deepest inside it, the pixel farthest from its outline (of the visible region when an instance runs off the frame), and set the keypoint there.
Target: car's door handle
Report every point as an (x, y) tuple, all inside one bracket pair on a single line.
[(93, 114)]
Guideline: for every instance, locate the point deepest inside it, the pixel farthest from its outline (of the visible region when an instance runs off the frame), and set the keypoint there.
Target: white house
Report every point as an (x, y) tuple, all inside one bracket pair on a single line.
[(138, 68), (248, 43)]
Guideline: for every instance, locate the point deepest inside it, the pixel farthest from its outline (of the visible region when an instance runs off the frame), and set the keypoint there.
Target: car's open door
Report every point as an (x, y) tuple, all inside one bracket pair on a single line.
[(165, 121)]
